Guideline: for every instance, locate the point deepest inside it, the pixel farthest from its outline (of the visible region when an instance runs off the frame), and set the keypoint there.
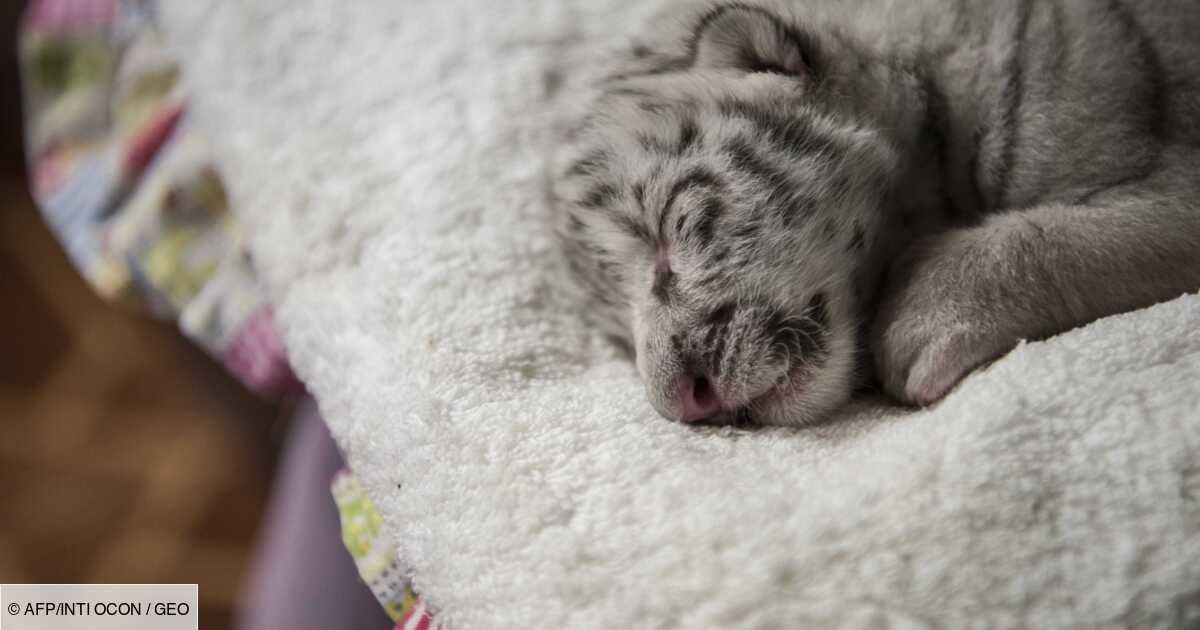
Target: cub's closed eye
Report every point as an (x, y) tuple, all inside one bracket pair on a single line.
[(786, 61), (756, 67)]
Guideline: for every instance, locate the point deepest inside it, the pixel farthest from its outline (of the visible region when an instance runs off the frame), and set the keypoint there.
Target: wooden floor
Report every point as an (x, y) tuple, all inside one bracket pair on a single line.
[(126, 455)]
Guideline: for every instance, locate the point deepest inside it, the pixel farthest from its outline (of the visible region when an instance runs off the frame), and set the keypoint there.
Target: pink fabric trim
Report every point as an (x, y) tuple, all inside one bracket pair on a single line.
[(62, 15), (257, 357)]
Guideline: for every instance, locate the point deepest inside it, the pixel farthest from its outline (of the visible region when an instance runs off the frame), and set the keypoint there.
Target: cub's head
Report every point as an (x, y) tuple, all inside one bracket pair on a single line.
[(719, 203)]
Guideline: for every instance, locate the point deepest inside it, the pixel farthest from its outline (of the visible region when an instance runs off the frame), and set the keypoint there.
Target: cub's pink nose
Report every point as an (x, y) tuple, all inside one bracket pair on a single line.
[(697, 399)]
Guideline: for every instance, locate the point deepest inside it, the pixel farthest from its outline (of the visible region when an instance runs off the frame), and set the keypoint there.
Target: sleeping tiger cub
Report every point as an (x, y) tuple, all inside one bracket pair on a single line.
[(766, 201)]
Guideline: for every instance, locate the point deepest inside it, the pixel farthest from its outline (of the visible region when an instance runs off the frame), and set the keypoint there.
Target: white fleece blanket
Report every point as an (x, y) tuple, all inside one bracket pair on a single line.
[(387, 159)]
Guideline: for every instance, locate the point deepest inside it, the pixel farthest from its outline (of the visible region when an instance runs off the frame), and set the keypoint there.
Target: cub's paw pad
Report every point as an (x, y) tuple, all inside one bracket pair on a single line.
[(938, 367), (921, 369)]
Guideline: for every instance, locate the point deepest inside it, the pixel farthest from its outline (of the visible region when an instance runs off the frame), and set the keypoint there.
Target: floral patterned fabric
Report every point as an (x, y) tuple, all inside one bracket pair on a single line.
[(130, 189), (132, 192)]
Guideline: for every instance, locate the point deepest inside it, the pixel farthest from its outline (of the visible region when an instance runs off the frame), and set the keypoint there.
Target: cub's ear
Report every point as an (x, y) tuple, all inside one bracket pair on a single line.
[(753, 39)]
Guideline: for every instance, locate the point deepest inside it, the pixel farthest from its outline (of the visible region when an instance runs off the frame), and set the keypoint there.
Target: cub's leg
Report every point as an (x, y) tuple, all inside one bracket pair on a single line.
[(967, 296)]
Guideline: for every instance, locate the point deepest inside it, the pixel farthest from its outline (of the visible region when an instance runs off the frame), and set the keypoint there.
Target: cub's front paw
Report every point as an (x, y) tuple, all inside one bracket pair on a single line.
[(920, 361), (944, 312)]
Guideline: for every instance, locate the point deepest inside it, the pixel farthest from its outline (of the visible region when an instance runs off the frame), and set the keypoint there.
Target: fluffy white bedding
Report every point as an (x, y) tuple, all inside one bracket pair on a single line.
[(387, 159)]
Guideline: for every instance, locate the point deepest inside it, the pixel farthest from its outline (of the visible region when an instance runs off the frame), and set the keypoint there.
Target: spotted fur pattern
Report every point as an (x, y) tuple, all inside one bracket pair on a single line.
[(759, 192)]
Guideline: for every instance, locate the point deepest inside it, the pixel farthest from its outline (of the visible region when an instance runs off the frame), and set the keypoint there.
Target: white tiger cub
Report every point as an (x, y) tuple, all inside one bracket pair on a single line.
[(764, 199)]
